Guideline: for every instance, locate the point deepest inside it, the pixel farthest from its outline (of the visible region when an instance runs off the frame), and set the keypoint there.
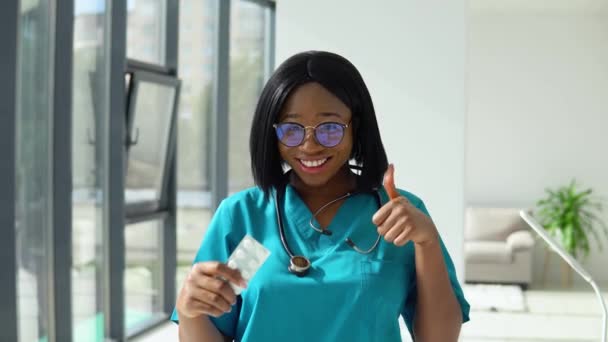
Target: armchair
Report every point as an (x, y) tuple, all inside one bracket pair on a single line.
[(498, 246)]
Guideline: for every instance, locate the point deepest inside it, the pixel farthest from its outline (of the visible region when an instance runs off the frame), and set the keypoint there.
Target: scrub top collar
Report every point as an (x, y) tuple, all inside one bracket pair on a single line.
[(297, 214)]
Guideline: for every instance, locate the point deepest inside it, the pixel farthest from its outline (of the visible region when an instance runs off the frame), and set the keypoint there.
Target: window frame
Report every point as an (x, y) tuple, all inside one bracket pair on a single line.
[(9, 15), (138, 76)]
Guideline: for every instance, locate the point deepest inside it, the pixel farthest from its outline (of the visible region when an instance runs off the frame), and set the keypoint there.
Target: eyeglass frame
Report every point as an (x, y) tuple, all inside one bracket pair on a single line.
[(314, 130)]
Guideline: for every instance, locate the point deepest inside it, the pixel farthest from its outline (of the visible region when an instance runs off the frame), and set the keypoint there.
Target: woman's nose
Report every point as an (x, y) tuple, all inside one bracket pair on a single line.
[(310, 142)]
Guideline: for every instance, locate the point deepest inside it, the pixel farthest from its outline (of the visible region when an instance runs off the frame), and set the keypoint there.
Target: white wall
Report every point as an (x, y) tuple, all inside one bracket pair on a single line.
[(537, 105), (411, 55)]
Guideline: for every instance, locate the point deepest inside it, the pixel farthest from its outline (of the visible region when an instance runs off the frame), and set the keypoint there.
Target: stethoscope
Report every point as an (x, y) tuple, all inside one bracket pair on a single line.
[(299, 264)]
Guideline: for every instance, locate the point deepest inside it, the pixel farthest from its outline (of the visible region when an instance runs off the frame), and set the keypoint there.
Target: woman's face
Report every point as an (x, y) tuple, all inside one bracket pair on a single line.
[(313, 163)]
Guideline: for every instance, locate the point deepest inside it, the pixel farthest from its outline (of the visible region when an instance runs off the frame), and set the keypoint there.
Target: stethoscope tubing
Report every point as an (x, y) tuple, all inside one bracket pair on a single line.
[(299, 265)]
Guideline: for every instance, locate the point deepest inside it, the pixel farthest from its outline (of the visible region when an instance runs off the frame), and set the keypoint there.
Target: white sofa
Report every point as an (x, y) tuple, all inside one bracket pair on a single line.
[(498, 246)]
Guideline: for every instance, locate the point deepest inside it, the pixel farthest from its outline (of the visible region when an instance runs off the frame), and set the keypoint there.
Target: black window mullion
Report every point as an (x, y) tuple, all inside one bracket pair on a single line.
[(172, 36), (9, 15), (114, 223), (169, 242), (270, 44), (61, 238), (219, 120), (169, 232)]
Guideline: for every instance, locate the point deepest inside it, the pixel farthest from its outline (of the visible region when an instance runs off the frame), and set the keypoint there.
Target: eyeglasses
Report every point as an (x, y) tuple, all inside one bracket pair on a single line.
[(327, 134)]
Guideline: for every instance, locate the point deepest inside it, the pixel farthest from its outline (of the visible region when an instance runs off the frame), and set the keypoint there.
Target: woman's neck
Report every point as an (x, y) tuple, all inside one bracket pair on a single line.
[(342, 182)]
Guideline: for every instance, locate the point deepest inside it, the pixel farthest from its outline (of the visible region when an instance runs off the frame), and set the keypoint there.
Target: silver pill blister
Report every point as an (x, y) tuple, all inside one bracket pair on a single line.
[(248, 257)]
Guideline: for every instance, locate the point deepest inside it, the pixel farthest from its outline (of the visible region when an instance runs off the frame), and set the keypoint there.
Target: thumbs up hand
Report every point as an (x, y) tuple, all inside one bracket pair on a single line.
[(399, 221)]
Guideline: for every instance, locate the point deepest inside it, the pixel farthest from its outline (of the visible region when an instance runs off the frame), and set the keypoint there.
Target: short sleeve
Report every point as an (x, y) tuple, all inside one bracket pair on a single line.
[(409, 310), (216, 246)]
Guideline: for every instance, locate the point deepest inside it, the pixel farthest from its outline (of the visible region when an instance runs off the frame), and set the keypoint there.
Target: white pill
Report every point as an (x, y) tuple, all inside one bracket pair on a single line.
[(247, 244), (232, 264), (239, 254), (246, 274), (252, 264), (260, 254)]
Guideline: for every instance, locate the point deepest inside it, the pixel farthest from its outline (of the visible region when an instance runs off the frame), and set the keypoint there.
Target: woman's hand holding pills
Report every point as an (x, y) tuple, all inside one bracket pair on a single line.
[(206, 293)]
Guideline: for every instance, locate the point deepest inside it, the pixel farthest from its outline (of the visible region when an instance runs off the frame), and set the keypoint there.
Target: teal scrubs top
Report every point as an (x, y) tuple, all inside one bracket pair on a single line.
[(346, 296)]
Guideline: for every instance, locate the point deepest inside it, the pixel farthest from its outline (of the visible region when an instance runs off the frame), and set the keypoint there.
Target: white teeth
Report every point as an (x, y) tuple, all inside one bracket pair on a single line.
[(313, 163)]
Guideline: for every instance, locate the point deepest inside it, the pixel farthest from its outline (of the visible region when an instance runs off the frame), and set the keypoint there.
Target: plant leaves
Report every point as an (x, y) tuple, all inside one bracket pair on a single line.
[(572, 215)]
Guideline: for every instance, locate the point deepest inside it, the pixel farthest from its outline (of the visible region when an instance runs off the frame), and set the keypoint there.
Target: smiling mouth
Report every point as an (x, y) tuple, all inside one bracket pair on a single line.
[(317, 163)]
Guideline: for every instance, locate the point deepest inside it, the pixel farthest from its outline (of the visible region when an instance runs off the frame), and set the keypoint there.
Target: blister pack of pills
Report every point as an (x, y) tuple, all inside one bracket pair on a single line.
[(248, 257)]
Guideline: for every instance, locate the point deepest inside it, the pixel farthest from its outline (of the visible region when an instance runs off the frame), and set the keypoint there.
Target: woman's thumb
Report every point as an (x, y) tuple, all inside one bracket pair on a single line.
[(389, 182)]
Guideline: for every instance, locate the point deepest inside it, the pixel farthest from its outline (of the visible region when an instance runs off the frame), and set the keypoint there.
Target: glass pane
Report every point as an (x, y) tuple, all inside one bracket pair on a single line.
[(146, 20), (198, 26), (143, 277), (33, 168), (89, 146), (151, 128), (247, 42)]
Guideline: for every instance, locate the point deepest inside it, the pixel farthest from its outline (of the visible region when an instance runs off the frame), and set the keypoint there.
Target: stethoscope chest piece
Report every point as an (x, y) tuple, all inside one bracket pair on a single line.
[(299, 265)]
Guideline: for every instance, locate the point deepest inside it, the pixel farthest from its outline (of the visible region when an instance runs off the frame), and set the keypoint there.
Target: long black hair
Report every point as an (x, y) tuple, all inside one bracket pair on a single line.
[(340, 77)]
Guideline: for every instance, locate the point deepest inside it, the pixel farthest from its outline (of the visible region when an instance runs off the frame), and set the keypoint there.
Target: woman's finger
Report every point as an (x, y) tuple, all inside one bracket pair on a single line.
[(394, 219), (218, 269), (215, 299), (383, 213), (404, 237), (197, 301), (210, 310), (392, 233), (218, 286)]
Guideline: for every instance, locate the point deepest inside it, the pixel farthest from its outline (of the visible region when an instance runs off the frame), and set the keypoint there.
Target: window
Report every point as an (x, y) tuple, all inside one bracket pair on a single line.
[(143, 273), (108, 155), (33, 166), (152, 97), (151, 117), (247, 60), (146, 30), (151, 111), (196, 61), (89, 148)]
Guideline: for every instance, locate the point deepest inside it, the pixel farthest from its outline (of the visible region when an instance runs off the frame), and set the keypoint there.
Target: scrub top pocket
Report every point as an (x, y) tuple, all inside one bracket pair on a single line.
[(385, 274), (384, 286)]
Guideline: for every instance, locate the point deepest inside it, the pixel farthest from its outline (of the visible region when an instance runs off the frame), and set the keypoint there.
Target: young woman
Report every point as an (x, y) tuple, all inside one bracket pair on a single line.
[(348, 255)]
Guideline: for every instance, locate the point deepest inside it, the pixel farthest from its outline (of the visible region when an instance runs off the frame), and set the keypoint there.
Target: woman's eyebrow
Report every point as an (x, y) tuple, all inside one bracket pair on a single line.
[(291, 116), (294, 115), (329, 114)]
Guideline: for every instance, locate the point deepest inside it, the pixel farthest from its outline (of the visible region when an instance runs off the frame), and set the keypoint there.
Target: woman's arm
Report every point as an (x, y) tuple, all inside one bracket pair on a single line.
[(438, 315)]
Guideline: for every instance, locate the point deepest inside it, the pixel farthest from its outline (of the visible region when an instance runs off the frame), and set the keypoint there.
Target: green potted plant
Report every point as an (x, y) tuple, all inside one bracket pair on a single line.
[(572, 216)]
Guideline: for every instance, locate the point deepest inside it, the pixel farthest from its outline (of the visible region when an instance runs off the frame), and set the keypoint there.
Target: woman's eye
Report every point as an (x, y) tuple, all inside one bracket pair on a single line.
[(292, 130)]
